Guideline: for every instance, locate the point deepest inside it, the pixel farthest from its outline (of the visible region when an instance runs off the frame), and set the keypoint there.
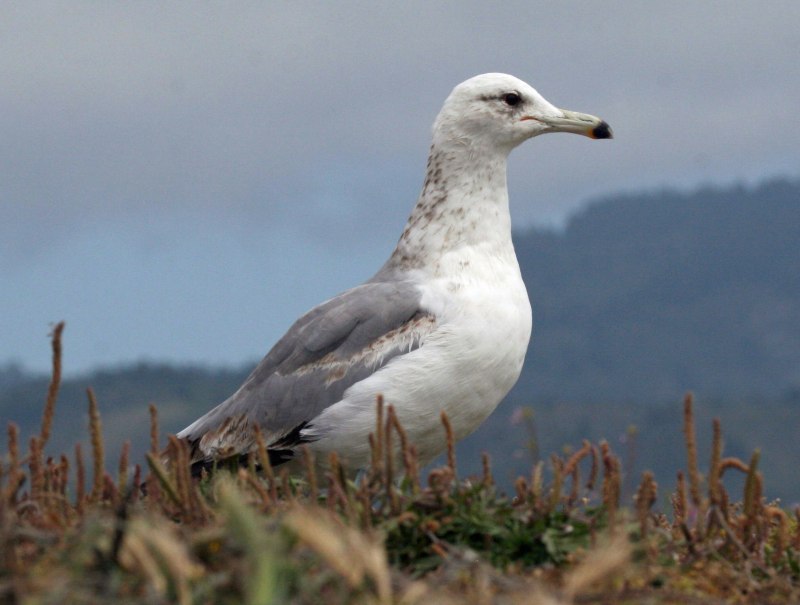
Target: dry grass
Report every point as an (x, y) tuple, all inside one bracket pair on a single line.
[(259, 536)]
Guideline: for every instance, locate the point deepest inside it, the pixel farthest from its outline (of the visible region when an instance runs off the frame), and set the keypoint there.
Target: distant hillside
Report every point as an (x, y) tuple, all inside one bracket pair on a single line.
[(640, 299), (124, 395), (645, 296)]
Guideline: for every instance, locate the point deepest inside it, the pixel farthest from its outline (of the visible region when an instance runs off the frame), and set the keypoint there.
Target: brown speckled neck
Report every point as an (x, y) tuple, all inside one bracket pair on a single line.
[(464, 201)]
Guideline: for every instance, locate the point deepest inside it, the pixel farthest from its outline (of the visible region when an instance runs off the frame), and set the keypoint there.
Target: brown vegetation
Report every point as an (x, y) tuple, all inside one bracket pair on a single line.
[(257, 535)]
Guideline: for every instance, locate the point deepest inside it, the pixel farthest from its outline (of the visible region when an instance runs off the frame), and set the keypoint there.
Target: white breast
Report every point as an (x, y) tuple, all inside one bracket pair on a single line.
[(465, 367)]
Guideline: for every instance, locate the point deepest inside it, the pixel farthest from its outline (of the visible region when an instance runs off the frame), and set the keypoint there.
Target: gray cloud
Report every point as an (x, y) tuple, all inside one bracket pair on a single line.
[(309, 124)]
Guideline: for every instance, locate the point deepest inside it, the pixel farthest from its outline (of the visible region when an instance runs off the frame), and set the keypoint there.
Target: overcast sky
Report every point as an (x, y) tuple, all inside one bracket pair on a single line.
[(180, 181)]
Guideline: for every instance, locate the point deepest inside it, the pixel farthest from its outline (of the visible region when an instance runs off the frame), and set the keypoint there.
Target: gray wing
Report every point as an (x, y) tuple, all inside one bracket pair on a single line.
[(327, 350)]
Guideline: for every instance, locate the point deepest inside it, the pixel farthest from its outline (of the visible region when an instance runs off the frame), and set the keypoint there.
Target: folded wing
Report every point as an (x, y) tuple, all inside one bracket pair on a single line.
[(330, 348)]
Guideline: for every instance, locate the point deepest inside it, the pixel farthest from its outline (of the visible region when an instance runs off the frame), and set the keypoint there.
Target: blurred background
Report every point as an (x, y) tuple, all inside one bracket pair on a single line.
[(179, 183)]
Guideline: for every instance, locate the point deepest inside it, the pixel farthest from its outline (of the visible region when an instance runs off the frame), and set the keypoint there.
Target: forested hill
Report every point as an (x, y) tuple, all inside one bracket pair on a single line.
[(639, 299), (642, 297)]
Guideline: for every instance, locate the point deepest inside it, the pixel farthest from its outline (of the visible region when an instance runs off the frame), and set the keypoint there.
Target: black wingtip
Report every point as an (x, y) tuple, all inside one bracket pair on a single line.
[(237, 461), (279, 452)]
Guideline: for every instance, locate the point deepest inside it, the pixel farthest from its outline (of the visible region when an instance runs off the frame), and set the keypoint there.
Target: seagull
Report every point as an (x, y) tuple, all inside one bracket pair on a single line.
[(443, 326)]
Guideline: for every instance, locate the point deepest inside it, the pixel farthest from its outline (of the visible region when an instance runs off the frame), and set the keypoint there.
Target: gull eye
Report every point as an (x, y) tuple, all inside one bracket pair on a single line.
[(512, 99)]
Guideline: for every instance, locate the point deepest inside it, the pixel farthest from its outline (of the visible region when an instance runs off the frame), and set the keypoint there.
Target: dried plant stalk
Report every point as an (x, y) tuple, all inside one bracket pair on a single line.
[(13, 448), (734, 463), (80, 481), (137, 482), (252, 481), (365, 501), (796, 539), (377, 444), (408, 456), (714, 473), (373, 448), (345, 495), (451, 443), (182, 482), (558, 482), (781, 519), (691, 449), (393, 422), (679, 503), (487, 479), (36, 468), (391, 494), (536, 484), (55, 382), (411, 461), (311, 473), (751, 495), (98, 456), (594, 471), (124, 455), (521, 488), (611, 482), (645, 498), (266, 466), (575, 486), (63, 474), (110, 491), (192, 505), (153, 487), (575, 459), (571, 469), (333, 481), (163, 477), (50, 478), (153, 429), (63, 480)]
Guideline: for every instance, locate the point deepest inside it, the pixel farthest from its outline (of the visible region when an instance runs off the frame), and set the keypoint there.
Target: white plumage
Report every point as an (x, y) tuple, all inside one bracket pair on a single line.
[(443, 326)]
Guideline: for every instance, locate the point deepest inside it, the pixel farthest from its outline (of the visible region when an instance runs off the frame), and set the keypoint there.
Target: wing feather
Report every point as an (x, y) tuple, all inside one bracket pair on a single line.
[(330, 348)]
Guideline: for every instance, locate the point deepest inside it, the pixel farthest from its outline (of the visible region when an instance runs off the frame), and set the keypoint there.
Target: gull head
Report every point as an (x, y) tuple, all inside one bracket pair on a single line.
[(500, 112)]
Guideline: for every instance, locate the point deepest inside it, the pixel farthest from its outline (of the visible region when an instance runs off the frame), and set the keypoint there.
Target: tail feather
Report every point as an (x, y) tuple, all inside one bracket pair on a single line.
[(276, 458)]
